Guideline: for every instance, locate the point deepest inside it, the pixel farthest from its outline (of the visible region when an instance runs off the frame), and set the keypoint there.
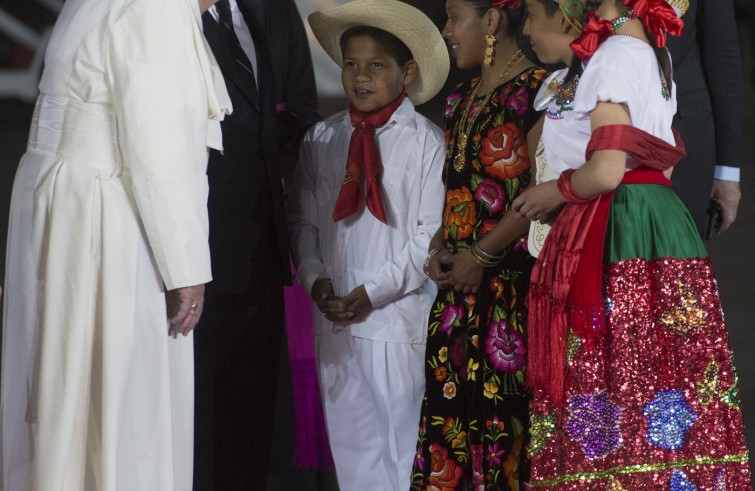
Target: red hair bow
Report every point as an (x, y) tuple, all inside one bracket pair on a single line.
[(658, 17), (509, 4), (593, 33)]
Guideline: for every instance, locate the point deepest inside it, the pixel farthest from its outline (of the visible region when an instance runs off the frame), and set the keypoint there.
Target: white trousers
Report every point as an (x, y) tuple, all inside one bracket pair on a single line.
[(372, 393)]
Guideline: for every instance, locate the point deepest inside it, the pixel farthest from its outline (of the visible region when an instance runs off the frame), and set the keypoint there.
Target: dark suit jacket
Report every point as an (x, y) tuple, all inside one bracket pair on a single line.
[(710, 96), (248, 236)]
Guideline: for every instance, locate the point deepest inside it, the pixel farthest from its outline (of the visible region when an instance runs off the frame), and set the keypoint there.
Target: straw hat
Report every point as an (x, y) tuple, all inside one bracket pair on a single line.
[(402, 20)]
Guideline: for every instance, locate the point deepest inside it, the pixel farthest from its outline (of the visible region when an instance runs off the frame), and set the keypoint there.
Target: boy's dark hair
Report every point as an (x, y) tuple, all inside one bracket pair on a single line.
[(394, 45), (551, 7)]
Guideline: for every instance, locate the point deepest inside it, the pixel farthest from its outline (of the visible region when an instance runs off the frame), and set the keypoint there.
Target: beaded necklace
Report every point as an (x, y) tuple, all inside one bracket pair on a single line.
[(464, 126)]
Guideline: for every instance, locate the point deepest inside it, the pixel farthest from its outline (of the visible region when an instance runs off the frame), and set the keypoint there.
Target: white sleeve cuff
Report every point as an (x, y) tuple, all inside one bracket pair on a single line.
[(726, 173)]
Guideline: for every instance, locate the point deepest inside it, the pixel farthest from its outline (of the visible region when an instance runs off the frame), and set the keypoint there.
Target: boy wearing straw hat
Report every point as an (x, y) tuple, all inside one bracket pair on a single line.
[(366, 198)]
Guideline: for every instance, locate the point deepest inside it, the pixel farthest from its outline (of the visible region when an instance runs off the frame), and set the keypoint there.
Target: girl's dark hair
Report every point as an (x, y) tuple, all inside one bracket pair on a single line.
[(394, 45), (661, 54), (515, 16)]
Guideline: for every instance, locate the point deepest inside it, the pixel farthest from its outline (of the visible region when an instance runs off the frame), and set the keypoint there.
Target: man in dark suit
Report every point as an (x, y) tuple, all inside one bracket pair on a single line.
[(261, 48), (710, 116)]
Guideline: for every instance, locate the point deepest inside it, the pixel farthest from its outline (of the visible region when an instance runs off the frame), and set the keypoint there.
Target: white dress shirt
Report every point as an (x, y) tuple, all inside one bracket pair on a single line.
[(361, 250)]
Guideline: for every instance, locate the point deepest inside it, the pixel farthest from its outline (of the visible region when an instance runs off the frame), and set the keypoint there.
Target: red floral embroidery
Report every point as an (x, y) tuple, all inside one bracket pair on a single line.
[(504, 151), (445, 474)]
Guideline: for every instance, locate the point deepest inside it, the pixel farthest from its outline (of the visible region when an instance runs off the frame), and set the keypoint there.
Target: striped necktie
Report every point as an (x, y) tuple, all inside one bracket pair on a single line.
[(225, 19)]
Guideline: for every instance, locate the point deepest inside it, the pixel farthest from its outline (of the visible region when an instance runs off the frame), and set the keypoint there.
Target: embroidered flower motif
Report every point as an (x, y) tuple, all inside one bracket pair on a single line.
[(491, 389), (541, 429), (680, 482), (449, 390), (440, 373), (595, 423), (519, 101), (460, 214), (451, 102), (445, 474), (459, 440), (450, 318), (478, 478), (504, 151), (443, 354), (669, 417), (505, 347), (495, 454), (472, 367), (497, 286), (491, 194), (496, 424)]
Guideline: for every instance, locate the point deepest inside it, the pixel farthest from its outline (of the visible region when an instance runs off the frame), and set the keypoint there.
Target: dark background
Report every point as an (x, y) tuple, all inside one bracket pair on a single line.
[(732, 253)]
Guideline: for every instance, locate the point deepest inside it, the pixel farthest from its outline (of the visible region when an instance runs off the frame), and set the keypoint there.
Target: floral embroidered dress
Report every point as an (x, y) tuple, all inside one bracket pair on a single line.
[(474, 423), (651, 403)]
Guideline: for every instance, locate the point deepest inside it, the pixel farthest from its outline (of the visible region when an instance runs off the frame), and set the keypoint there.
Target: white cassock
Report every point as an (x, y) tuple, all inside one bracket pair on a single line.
[(108, 213)]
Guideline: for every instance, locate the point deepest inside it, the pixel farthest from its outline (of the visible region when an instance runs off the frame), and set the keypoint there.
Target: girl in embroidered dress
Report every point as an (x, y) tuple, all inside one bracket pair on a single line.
[(474, 421), (630, 367)]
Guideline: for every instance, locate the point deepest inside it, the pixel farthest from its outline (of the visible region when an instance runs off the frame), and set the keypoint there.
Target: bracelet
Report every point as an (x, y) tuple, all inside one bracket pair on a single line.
[(484, 254), (430, 255), (566, 188), (479, 257)]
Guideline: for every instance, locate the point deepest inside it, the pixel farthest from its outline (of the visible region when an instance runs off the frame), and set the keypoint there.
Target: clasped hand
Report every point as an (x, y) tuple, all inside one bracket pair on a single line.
[(354, 306), (539, 203), (458, 271)]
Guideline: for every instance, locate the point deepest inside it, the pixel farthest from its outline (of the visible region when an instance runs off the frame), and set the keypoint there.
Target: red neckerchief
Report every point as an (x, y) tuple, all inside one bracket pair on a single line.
[(364, 156), (573, 256)]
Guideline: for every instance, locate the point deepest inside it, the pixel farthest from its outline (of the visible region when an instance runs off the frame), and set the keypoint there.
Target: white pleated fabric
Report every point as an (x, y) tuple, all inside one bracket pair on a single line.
[(372, 393), (108, 212)]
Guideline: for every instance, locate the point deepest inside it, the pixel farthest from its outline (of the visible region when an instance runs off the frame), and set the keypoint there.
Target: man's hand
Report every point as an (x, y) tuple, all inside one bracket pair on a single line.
[(185, 308), (728, 194)]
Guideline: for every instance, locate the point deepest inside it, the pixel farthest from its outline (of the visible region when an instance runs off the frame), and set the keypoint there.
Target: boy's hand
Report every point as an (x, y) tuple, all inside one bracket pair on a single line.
[(358, 303), (436, 270), (333, 307), (465, 274)]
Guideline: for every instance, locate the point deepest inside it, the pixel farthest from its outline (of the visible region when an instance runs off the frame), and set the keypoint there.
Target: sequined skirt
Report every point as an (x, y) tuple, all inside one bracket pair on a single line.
[(653, 404)]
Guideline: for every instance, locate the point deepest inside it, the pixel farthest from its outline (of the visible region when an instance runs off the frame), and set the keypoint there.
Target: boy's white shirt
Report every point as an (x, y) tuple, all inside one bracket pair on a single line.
[(360, 249)]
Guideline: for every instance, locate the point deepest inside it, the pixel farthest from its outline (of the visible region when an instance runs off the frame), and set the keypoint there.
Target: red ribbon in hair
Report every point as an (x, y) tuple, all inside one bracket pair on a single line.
[(509, 4), (658, 17), (593, 34)]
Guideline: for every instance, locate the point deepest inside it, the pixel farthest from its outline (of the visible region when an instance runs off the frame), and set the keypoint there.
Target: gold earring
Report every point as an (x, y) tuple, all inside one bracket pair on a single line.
[(489, 50)]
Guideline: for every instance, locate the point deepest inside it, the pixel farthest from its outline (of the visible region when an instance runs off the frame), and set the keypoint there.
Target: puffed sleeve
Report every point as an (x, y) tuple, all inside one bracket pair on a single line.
[(161, 102), (608, 77)]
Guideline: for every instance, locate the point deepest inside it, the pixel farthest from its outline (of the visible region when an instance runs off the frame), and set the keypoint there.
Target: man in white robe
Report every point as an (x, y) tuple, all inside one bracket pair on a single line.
[(108, 252)]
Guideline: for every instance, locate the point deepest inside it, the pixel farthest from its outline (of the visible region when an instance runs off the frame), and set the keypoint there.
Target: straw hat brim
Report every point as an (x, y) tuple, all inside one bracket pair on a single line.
[(402, 20)]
